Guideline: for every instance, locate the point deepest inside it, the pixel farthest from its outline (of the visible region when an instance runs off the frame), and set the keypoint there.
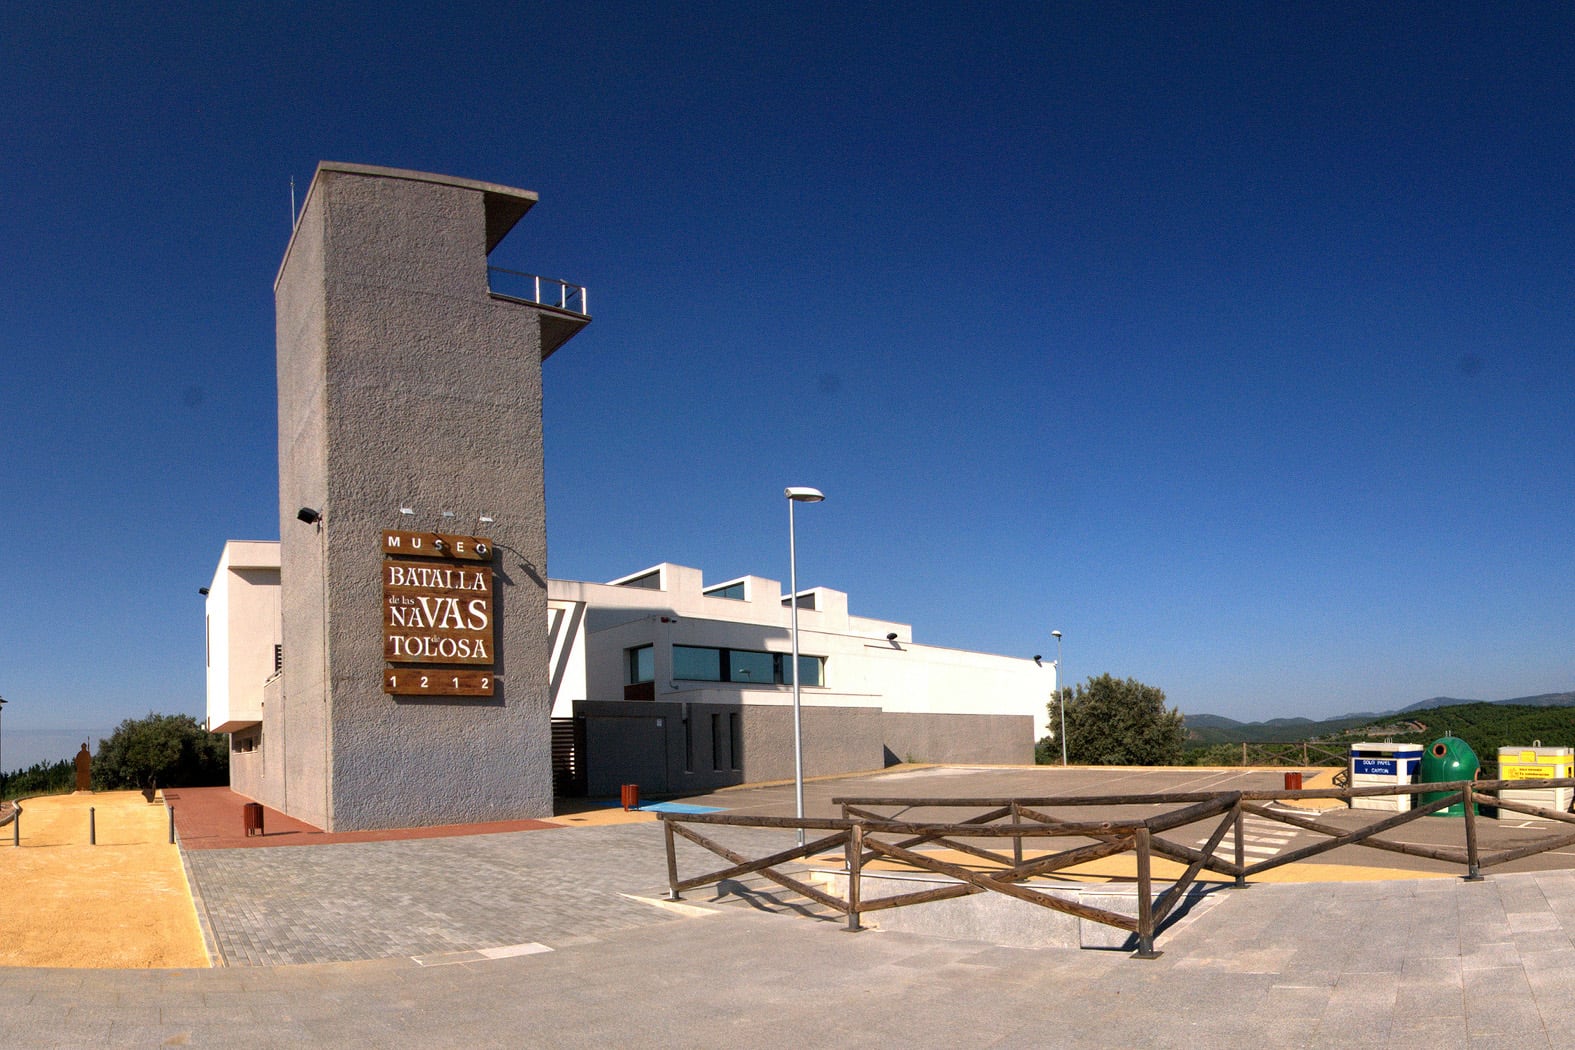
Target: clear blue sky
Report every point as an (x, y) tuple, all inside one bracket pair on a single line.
[(1234, 341)]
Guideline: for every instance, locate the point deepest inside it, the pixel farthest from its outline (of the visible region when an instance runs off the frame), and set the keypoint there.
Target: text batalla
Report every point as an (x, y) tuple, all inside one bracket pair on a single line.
[(437, 614)]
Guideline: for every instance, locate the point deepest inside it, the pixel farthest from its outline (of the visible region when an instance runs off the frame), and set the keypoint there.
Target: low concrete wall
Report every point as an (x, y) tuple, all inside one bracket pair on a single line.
[(676, 748), (246, 774), (689, 748), (994, 739)]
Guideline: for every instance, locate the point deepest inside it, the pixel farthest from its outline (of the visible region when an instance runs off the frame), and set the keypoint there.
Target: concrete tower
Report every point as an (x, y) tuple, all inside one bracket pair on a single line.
[(407, 382)]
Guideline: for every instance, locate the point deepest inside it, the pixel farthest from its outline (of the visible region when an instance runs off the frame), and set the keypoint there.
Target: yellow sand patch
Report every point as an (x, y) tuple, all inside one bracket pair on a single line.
[(596, 816), (1124, 868), (123, 903), (1323, 778)]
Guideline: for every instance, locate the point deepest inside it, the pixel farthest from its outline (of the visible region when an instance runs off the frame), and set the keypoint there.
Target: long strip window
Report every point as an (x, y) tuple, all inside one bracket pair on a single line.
[(692, 663)]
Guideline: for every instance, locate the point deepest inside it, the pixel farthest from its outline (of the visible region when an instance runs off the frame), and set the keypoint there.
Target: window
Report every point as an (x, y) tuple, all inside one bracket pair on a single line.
[(651, 581), (751, 667), (810, 669), (734, 590), (642, 665), (693, 663)]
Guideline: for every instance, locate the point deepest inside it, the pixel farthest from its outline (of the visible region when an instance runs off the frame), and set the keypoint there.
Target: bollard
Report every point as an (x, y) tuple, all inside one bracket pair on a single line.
[(172, 825), (16, 827), (92, 827)]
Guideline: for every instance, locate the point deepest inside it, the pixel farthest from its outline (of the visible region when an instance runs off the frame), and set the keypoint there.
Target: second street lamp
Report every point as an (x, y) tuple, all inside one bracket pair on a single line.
[(797, 494), (1059, 695)]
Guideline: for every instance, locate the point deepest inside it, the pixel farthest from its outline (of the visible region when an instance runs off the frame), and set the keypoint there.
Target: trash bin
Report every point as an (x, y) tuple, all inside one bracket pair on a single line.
[(1383, 765), (1293, 781), (252, 818), (631, 796), (1448, 758), (1537, 763)]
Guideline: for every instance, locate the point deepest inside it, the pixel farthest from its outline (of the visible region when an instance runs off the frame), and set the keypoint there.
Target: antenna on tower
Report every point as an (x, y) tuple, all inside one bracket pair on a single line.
[(292, 203)]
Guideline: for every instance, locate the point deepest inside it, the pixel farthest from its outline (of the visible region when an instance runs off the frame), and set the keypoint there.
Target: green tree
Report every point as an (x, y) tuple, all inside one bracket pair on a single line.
[(40, 778), (1115, 722), (161, 751)]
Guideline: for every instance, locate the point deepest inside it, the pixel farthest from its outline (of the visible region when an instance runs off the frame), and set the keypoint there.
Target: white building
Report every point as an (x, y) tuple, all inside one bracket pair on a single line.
[(679, 687), (244, 639), (662, 681)]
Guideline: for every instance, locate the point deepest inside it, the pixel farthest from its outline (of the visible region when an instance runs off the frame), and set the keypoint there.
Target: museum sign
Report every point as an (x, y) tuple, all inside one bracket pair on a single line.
[(438, 622)]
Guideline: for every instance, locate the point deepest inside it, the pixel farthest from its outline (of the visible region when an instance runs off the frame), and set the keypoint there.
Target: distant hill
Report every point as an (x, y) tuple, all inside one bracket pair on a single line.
[(1206, 729), (1541, 700), (1216, 729)]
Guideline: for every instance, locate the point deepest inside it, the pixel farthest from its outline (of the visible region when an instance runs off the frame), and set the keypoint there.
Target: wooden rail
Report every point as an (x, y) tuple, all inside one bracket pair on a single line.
[(995, 832), (1288, 753)]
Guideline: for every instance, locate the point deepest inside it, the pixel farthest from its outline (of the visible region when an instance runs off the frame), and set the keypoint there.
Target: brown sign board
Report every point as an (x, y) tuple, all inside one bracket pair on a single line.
[(437, 613), (436, 681), (436, 545)]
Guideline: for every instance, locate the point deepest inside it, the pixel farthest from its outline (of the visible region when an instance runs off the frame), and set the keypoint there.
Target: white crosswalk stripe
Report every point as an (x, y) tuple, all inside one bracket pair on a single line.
[(1261, 839)]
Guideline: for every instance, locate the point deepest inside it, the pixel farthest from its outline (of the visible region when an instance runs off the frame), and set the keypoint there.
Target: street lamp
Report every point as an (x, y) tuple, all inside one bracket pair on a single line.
[(2, 752), (797, 494), (1059, 695)]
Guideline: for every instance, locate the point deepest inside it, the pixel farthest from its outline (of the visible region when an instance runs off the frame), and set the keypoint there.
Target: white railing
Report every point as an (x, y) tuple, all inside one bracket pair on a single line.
[(541, 291)]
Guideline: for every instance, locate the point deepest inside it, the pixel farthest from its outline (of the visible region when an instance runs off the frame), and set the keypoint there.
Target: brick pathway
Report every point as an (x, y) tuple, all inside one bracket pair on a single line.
[(210, 818), (414, 898)]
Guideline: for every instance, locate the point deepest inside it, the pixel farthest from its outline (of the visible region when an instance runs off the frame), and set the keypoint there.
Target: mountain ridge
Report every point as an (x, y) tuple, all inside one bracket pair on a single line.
[(1213, 729)]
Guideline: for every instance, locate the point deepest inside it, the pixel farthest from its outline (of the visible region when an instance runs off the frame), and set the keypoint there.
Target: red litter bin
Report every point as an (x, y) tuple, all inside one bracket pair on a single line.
[(631, 796), (252, 818), (1293, 781)]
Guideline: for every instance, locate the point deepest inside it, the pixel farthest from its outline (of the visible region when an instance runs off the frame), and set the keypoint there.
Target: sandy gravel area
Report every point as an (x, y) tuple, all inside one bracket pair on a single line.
[(122, 903)]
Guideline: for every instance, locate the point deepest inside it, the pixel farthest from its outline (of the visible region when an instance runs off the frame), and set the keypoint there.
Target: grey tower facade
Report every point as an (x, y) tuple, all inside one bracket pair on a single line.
[(409, 399)]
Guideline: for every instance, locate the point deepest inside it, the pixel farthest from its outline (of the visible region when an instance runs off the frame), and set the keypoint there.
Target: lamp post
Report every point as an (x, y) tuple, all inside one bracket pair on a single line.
[(797, 494), (1060, 697), (2, 752)]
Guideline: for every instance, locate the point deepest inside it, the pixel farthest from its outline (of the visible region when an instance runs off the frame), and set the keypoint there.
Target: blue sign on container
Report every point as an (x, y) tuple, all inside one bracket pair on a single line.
[(1373, 767)]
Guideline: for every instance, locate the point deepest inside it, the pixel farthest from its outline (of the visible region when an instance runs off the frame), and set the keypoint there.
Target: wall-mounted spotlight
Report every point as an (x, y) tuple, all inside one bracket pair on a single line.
[(892, 637), (407, 511), (310, 516), (486, 519), (1037, 660), (202, 591)]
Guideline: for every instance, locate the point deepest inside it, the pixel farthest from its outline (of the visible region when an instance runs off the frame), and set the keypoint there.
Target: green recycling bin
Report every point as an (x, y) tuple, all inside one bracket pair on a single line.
[(1445, 759)]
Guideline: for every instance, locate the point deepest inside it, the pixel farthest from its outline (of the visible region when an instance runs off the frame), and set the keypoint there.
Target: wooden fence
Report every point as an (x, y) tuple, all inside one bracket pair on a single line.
[(995, 831), (1300, 753)]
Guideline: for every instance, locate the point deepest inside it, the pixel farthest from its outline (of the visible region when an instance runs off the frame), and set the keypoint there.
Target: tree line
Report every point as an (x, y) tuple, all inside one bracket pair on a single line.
[(142, 753), (1486, 727)]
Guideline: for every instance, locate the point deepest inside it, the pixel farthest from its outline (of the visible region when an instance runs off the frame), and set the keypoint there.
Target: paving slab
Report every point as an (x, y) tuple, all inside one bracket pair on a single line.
[(555, 938)]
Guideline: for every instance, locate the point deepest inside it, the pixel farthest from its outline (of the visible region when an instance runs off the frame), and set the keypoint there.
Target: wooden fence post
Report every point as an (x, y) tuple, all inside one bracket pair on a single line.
[(1241, 845), (1017, 840), (1145, 930), (855, 850), (672, 861), (1473, 860)]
